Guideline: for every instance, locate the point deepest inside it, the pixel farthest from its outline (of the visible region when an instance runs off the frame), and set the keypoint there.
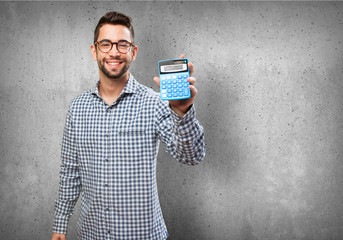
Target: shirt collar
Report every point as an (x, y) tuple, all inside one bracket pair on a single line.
[(130, 87)]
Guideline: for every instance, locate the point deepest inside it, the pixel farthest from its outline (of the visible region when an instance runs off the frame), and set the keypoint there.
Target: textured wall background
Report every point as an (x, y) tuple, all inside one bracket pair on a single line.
[(270, 99)]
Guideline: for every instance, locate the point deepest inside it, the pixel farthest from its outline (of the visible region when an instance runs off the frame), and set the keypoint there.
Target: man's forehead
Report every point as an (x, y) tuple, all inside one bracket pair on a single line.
[(115, 31)]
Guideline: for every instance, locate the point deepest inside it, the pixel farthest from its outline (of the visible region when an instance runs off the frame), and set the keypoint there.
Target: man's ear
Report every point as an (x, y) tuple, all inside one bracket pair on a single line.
[(134, 53), (93, 52)]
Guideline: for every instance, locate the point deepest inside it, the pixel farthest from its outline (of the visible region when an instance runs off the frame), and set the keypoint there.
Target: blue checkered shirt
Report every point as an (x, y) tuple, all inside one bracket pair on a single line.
[(109, 156)]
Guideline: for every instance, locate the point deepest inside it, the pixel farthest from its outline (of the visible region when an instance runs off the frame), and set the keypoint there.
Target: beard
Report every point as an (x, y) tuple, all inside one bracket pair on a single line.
[(114, 74)]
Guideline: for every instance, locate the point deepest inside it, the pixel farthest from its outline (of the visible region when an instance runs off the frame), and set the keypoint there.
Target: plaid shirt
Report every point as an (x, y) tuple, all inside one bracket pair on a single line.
[(109, 156)]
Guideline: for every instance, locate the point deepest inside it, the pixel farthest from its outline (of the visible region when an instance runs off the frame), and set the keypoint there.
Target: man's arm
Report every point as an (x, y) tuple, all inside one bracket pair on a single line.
[(70, 184), (184, 136), (178, 127)]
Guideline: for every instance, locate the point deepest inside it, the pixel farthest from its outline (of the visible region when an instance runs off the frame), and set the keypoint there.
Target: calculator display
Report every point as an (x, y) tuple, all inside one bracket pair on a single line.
[(172, 66), (173, 79)]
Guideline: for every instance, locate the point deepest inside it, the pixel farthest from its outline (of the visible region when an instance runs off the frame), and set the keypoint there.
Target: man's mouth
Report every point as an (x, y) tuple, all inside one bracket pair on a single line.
[(114, 63)]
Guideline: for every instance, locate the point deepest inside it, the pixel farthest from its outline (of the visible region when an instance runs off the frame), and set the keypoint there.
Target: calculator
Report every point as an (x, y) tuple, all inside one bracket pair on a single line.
[(173, 79)]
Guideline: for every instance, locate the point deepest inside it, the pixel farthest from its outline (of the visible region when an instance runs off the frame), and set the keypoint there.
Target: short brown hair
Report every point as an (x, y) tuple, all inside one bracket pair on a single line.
[(114, 18)]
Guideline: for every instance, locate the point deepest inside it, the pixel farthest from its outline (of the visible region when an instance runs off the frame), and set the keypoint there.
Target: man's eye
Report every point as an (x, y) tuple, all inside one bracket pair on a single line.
[(124, 45), (105, 44)]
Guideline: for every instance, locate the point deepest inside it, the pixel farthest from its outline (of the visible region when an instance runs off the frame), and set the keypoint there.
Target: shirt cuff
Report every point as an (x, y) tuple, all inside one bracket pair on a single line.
[(188, 117), (186, 128), (60, 224)]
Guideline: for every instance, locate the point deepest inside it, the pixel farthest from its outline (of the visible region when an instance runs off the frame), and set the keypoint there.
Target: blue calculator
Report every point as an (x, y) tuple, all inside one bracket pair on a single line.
[(173, 79)]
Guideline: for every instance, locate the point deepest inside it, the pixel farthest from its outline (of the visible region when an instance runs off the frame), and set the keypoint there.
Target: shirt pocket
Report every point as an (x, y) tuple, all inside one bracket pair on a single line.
[(130, 132), (131, 144)]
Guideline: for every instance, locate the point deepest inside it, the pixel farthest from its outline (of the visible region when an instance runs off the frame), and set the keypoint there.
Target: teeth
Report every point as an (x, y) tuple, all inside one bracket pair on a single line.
[(113, 64)]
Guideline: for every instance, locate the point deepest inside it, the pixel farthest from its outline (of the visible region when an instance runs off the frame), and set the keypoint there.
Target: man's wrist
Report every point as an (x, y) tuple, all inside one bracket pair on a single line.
[(180, 112), (189, 116)]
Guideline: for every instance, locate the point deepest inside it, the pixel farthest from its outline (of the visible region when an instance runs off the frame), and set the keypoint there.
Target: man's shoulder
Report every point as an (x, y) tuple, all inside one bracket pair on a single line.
[(148, 95), (146, 92)]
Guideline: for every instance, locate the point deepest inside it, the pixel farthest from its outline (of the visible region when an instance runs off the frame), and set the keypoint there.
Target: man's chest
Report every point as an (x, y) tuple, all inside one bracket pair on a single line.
[(127, 126)]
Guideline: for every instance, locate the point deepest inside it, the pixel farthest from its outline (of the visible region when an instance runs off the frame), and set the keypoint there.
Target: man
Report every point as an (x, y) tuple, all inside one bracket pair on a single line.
[(111, 140)]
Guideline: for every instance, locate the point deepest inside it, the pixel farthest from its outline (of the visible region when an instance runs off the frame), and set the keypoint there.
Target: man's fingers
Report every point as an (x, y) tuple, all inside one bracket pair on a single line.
[(191, 80), (157, 81), (191, 68), (190, 65), (193, 90)]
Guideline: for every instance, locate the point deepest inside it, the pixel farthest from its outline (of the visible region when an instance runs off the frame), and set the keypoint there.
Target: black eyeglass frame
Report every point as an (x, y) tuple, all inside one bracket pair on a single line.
[(115, 43)]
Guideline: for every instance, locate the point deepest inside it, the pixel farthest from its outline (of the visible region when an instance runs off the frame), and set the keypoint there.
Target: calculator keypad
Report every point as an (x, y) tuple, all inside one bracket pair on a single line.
[(174, 86)]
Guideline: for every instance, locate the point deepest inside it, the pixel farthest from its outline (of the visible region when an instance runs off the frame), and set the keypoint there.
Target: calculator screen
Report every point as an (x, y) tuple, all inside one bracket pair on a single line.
[(173, 79), (173, 66)]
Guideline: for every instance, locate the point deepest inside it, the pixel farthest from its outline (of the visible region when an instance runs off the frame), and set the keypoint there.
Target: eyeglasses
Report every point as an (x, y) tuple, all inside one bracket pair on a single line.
[(122, 46)]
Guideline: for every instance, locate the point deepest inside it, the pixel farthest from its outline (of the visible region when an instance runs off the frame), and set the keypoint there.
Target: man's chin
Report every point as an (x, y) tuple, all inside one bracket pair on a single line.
[(112, 75)]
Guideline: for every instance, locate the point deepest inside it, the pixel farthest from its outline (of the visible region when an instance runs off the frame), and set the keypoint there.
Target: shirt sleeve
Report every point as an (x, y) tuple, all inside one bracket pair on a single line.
[(184, 136), (70, 184)]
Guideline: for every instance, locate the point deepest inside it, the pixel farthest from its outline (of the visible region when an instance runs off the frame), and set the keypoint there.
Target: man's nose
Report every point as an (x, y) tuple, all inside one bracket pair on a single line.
[(114, 51)]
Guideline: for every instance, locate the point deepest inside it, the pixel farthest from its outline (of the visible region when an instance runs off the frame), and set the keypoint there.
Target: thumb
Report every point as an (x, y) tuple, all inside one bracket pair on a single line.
[(157, 81)]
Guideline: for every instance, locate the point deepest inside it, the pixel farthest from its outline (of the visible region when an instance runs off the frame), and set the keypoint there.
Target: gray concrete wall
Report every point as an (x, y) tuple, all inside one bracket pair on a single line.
[(270, 99)]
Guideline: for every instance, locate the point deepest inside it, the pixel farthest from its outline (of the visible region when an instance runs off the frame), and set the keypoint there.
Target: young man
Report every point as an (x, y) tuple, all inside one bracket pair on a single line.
[(111, 140)]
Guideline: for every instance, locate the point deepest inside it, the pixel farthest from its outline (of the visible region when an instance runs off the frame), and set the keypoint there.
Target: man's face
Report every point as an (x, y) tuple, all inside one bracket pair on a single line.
[(113, 64)]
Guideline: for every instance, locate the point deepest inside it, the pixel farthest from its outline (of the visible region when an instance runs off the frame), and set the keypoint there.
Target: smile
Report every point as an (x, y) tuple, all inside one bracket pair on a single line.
[(113, 64)]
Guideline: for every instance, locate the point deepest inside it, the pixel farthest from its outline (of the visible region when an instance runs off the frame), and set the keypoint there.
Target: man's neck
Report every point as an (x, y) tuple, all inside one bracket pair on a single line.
[(110, 88)]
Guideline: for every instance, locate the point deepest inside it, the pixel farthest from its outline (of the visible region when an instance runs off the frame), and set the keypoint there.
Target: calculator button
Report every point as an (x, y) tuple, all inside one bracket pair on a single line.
[(174, 86)]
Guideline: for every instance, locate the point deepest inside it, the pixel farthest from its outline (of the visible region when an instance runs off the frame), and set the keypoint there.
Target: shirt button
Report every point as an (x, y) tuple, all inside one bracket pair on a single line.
[(106, 160), (106, 185), (107, 209), (109, 231)]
